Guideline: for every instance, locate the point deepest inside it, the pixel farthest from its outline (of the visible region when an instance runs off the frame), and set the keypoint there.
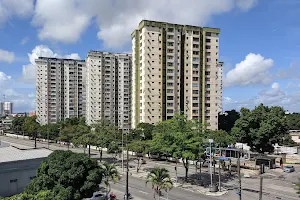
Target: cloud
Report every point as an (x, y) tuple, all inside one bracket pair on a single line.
[(24, 40), (4, 77), (18, 8), (292, 72), (6, 56), (274, 96), (65, 21), (253, 70), (29, 70)]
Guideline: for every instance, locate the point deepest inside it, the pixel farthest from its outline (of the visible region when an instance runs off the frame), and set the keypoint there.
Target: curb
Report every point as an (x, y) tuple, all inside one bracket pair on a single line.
[(216, 194)]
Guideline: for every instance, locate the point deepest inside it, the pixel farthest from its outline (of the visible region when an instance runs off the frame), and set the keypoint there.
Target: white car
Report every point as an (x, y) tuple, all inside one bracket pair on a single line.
[(99, 196)]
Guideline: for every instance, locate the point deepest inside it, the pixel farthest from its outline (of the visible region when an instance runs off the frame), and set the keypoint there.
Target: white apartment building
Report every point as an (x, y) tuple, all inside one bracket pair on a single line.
[(174, 70), (60, 89), (219, 78), (108, 88)]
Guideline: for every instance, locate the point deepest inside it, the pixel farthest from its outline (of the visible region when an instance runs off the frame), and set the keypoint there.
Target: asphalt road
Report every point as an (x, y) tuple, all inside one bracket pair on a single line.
[(272, 188)]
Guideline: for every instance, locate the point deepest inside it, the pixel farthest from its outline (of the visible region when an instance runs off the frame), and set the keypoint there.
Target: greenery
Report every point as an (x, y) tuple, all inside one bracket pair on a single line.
[(227, 120), (160, 179), (110, 174), (293, 121), (67, 175), (261, 128)]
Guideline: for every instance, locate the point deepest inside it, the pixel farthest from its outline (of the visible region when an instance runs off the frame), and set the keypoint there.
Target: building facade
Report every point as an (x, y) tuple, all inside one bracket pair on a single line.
[(108, 88), (219, 77), (6, 108), (60, 89), (174, 70)]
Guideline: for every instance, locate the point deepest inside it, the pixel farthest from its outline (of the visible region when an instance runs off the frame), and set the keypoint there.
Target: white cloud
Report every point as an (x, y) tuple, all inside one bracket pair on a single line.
[(7, 56), (18, 8), (4, 77), (274, 96), (29, 71), (65, 21), (253, 70), (24, 40)]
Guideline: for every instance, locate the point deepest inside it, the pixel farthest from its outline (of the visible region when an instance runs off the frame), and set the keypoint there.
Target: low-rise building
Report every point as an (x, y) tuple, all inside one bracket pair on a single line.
[(18, 166), (295, 135)]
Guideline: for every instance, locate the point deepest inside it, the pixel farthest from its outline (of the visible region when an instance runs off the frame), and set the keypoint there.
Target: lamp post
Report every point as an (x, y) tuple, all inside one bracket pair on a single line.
[(122, 155), (210, 161)]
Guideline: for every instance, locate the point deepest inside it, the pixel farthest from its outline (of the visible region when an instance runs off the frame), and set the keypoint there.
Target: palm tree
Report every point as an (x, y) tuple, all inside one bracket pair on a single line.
[(160, 179), (110, 173)]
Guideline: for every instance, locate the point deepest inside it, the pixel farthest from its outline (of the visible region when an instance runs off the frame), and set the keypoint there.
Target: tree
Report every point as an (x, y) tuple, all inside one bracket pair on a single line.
[(110, 174), (293, 121), (179, 138), (261, 128), (18, 124), (160, 179), (227, 120), (140, 148), (67, 134), (67, 175), (220, 137), (31, 127)]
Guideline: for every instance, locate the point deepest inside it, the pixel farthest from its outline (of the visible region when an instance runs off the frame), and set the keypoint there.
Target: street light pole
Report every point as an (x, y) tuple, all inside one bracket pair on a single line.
[(127, 167), (210, 164)]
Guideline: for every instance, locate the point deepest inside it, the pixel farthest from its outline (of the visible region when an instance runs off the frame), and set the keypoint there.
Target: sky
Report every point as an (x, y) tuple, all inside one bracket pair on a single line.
[(259, 42)]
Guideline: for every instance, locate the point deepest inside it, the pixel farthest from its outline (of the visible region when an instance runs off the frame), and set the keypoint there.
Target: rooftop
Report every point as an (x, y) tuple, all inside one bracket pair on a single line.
[(10, 153)]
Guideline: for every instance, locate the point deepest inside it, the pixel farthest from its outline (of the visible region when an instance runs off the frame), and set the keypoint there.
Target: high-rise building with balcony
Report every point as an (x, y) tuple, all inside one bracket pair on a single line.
[(60, 89), (108, 88), (174, 69)]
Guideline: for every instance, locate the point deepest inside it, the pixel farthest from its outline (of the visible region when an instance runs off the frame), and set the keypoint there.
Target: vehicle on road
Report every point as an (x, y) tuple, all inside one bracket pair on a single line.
[(99, 196), (288, 168)]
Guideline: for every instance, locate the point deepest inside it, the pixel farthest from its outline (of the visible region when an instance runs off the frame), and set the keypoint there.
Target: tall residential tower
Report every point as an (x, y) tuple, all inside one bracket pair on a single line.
[(175, 69), (60, 89), (108, 88)]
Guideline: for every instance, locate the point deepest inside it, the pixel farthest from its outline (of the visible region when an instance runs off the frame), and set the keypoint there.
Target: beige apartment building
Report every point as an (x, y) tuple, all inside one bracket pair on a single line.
[(60, 89), (175, 69), (108, 88)]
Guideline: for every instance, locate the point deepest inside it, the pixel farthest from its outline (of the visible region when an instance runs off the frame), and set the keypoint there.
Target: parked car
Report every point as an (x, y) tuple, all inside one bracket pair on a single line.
[(99, 196), (288, 169)]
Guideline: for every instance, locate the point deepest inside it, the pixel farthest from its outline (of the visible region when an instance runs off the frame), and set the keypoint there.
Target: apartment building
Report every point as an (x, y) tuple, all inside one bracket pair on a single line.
[(219, 77), (60, 89), (108, 88), (6, 108), (174, 69)]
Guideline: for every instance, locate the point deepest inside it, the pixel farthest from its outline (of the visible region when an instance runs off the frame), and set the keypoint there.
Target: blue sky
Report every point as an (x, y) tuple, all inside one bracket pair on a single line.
[(259, 41)]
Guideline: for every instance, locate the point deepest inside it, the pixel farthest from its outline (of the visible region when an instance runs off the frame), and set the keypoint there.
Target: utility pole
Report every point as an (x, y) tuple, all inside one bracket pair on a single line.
[(127, 167), (261, 181), (210, 163), (239, 176)]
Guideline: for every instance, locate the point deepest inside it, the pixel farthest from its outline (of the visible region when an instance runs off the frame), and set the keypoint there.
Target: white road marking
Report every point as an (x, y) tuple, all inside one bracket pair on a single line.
[(143, 192)]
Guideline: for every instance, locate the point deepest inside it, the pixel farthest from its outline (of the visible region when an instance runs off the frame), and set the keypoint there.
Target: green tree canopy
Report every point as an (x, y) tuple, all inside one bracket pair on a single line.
[(227, 120), (261, 128), (179, 138), (293, 121), (31, 126), (18, 124), (68, 175)]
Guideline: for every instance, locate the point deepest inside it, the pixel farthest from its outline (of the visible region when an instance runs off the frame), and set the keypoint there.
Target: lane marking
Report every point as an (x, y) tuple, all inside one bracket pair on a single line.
[(143, 192)]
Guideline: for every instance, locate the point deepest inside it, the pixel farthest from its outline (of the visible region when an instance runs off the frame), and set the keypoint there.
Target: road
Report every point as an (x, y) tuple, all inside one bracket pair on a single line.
[(271, 187)]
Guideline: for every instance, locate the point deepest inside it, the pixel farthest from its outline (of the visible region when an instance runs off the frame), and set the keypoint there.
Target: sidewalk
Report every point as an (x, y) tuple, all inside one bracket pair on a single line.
[(185, 186)]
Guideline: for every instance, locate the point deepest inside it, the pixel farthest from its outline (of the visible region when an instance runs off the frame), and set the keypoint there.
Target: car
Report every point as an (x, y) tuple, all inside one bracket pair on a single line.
[(288, 169), (99, 196)]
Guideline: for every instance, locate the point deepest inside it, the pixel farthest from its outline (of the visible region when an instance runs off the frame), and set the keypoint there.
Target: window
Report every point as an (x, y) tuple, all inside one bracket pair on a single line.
[(195, 65), (195, 39), (208, 59), (169, 104), (195, 79), (170, 64), (170, 111), (170, 90), (169, 77), (207, 47), (13, 181), (170, 29), (208, 86), (169, 84), (195, 105), (195, 98), (170, 70), (195, 91), (207, 40), (171, 44), (170, 97), (208, 34)]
